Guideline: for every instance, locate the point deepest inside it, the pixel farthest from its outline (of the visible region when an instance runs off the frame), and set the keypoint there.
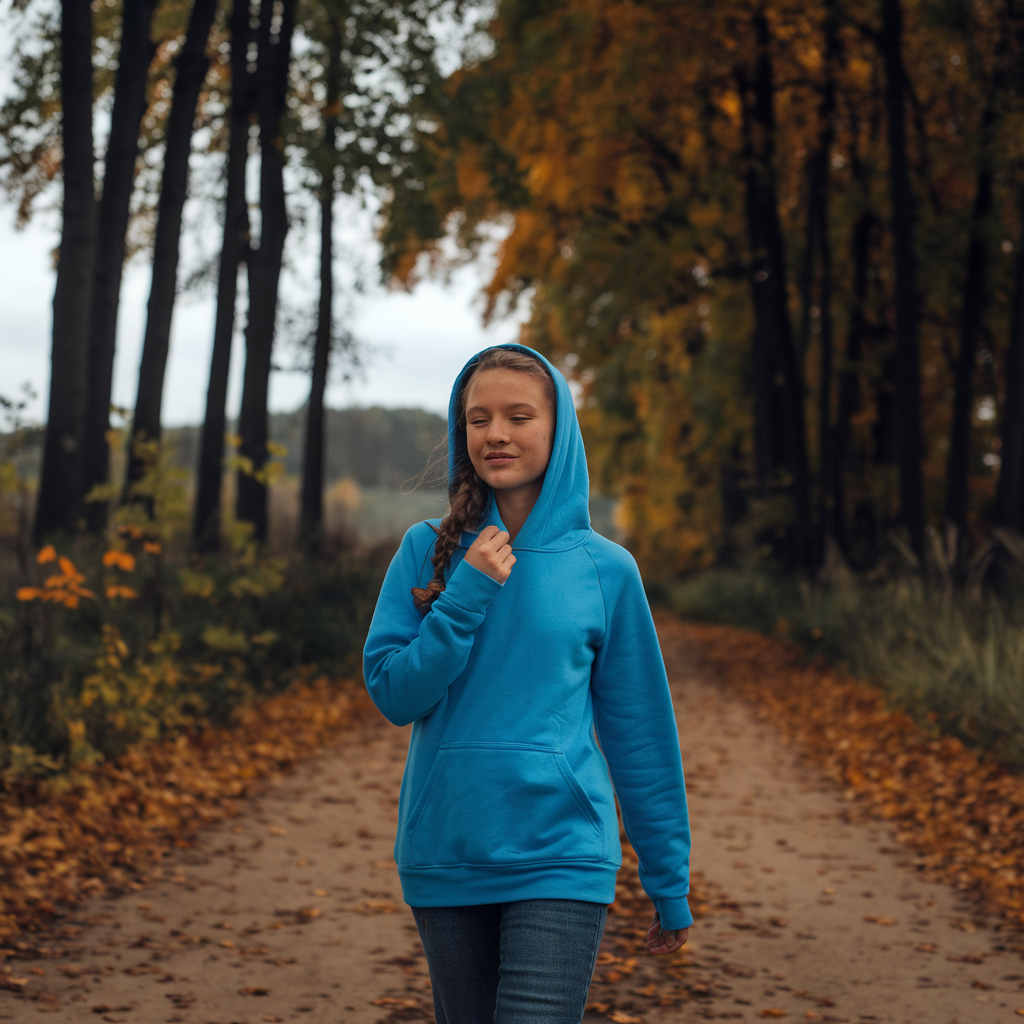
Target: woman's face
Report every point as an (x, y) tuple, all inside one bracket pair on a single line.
[(510, 427)]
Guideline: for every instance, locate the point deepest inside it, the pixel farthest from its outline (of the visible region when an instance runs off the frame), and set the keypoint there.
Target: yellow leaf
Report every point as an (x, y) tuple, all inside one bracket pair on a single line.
[(47, 554), (28, 593), (621, 1017), (773, 1011)]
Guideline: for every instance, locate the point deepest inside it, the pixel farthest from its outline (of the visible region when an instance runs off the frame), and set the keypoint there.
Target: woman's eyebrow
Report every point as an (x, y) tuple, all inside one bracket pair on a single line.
[(512, 405)]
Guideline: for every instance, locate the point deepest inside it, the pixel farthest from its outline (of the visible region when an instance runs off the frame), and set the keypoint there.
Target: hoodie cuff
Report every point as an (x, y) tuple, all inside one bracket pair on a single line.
[(471, 589), (674, 913)]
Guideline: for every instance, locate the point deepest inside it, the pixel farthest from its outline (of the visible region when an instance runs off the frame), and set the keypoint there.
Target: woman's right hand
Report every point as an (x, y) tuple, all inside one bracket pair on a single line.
[(491, 553)]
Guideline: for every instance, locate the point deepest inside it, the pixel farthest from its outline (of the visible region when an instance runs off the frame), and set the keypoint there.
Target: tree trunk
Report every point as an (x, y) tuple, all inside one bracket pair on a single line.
[(134, 56), (191, 66), (57, 505), (828, 467), (907, 396), (1009, 509), (780, 434), (847, 401), (264, 263), (234, 249), (312, 505), (975, 295), (819, 201)]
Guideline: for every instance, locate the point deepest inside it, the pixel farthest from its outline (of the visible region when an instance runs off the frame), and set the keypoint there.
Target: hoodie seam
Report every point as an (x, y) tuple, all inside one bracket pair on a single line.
[(549, 551), (427, 551), (600, 587)]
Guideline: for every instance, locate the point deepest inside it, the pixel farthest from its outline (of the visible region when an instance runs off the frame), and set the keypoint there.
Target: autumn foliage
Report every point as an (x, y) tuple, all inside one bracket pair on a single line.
[(707, 227)]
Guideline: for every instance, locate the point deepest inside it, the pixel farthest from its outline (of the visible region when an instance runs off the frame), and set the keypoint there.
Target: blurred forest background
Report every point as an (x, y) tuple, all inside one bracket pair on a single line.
[(776, 247)]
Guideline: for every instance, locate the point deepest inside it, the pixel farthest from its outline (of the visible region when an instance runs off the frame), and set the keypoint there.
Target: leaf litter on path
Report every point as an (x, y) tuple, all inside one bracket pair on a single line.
[(961, 813)]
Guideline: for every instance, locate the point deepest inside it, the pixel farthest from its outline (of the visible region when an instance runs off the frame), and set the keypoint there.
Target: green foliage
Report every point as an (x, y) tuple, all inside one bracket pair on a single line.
[(134, 639)]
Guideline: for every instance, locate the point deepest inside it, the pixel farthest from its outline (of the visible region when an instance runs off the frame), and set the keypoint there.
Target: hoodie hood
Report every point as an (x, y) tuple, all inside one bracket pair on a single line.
[(561, 517)]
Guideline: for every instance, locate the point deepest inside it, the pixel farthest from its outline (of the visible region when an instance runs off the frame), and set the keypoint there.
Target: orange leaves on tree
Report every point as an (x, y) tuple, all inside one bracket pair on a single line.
[(64, 587), (124, 560)]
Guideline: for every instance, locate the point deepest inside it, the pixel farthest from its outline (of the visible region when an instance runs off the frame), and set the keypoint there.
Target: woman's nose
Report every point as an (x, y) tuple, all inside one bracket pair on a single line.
[(497, 431)]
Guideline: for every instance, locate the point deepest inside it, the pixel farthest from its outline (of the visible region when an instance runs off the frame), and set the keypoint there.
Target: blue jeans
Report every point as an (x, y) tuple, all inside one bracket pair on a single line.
[(524, 962)]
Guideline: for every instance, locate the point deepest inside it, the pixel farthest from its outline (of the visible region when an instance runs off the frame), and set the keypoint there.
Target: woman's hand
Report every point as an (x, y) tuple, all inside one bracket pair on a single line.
[(491, 553), (660, 940)]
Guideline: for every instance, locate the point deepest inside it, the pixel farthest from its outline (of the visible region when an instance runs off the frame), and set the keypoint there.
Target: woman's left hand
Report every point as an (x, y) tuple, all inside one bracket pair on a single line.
[(661, 940)]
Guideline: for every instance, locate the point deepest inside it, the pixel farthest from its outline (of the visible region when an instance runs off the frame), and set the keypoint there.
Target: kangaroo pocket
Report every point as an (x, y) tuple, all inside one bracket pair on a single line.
[(502, 803)]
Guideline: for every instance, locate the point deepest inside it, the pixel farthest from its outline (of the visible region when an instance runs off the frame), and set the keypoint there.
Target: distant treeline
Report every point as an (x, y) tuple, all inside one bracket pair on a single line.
[(376, 447)]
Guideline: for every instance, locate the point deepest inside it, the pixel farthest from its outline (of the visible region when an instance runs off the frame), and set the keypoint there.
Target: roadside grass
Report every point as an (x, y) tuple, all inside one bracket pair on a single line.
[(953, 659)]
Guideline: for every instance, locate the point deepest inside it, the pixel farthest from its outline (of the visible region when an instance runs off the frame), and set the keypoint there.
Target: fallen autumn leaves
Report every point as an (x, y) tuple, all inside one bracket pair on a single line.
[(962, 814), (107, 826)]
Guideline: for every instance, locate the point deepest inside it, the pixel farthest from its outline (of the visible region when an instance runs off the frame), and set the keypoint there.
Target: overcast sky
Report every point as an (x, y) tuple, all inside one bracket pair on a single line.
[(418, 341)]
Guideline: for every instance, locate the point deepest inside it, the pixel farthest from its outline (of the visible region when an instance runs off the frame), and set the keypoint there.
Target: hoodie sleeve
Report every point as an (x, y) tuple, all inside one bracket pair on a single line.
[(409, 659), (636, 726)]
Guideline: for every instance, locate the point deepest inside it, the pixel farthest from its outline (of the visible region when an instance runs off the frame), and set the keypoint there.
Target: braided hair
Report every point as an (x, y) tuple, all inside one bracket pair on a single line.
[(467, 493)]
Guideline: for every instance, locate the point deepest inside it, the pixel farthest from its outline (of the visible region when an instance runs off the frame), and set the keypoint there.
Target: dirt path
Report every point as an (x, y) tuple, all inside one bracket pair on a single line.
[(293, 910)]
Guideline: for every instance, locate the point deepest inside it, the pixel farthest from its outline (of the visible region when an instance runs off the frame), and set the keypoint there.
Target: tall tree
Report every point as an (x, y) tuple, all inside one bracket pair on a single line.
[(780, 432), (191, 66), (1009, 506), (907, 396), (277, 20), (134, 56), (311, 512), (819, 239), (865, 226), (234, 250), (57, 505), (975, 297), (976, 284)]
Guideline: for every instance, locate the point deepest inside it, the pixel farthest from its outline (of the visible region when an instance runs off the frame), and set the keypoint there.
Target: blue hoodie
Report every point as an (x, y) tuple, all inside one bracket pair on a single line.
[(522, 696)]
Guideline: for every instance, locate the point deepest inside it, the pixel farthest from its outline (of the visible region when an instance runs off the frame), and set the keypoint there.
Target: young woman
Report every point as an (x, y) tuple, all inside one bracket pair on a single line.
[(520, 645)]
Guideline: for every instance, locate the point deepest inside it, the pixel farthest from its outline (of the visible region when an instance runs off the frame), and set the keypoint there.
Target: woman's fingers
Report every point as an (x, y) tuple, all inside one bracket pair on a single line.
[(491, 553), (660, 940), (497, 540)]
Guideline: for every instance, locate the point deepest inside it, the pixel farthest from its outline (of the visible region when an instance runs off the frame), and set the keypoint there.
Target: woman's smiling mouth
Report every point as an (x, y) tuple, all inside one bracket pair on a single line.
[(500, 458)]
